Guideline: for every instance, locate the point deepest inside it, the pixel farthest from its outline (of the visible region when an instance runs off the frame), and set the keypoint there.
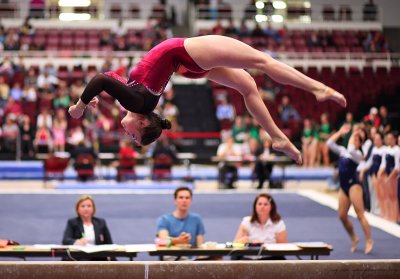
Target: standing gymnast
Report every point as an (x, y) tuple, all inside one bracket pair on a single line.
[(351, 192), (218, 58)]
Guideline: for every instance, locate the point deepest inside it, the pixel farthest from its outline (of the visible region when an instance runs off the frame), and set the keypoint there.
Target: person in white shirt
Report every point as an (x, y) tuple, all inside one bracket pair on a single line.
[(263, 226)]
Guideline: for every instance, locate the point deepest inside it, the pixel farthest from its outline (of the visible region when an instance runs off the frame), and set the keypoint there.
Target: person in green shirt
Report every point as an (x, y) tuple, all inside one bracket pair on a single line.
[(325, 132), (309, 142)]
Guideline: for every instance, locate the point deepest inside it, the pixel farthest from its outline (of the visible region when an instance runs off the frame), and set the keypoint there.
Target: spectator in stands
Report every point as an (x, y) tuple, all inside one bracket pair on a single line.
[(372, 118), (44, 119), (4, 89), (27, 133), (325, 132), (225, 112), (218, 28), (228, 173), (120, 30), (27, 28), (243, 29), (84, 160), (29, 94), (216, 57), (350, 192), (46, 80), (77, 88), (7, 66), (31, 77), (13, 107), (62, 99), (2, 36), (263, 167), (43, 141), (59, 130), (370, 11), (231, 29), (170, 111), (86, 229), (385, 125), (10, 132), (309, 142), (264, 226), (16, 92), (313, 40), (105, 38), (239, 130), (75, 136), (166, 150), (287, 112), (181, 226), (11, 43), (350, 121), (257, 31)]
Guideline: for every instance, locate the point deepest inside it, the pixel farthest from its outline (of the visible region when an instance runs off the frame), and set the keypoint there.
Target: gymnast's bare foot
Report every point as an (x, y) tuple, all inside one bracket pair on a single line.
[(328, 93), (354, 242), (369, 245), (285, 146)]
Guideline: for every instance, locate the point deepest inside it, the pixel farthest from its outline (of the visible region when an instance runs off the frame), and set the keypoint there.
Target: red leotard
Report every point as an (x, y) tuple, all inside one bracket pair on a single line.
[(157, 66)]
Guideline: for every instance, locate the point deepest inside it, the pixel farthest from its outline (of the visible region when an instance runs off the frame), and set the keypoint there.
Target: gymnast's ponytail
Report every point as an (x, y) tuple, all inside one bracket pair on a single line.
[(154, 130)]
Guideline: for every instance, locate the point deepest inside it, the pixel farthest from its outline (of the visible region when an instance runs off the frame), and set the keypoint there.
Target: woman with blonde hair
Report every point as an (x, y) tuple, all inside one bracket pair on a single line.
[(86, 229)]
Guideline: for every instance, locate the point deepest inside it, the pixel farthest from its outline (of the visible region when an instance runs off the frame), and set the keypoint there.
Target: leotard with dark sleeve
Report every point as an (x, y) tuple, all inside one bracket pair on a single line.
[(148, 79)]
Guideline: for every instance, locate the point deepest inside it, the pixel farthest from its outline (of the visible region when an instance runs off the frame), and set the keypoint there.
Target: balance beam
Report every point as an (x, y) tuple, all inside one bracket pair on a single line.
[(365, 269)]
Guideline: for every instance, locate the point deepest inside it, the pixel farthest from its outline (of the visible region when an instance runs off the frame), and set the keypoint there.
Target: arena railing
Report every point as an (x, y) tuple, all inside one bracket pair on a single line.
[(71, 58)]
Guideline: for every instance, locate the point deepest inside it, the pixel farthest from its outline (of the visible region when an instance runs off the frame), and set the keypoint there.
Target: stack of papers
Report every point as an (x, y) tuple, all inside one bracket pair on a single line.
[(282, 247), (94, 248), (140, 248), (316, 244)]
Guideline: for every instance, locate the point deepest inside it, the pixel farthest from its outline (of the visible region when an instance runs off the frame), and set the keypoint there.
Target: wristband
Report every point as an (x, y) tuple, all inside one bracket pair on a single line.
[(80, 104)]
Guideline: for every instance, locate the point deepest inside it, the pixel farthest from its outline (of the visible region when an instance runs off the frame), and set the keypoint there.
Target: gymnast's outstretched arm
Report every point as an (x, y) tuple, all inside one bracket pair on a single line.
[(127, 96)]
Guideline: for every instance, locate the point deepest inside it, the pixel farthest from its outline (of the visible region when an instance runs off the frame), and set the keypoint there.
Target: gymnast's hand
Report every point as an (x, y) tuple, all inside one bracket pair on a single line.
[(76, 111)]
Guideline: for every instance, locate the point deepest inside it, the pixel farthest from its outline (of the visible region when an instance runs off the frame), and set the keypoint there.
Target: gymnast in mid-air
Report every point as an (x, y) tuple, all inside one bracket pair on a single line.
[(217, 58)]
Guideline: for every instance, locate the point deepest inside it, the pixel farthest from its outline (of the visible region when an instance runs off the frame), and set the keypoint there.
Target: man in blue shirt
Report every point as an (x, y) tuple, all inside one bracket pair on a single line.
[(181, 226)]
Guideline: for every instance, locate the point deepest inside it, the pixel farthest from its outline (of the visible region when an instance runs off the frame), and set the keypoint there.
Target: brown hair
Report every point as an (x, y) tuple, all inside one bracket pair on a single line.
[(154, 130), (182, 188), (82, 199), (274, 215)]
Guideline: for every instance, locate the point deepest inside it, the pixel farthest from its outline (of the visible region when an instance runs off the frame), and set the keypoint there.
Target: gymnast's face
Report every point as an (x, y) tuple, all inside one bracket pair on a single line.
[(133, 124)]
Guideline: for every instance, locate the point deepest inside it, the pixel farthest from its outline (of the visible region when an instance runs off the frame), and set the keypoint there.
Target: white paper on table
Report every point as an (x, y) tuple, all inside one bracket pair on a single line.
[(140, 247), (94, 248), (50, 246), (281, 247), (315, 244)]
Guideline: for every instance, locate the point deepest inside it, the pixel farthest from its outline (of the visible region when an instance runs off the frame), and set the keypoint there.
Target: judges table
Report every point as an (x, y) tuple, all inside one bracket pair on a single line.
[(52, 251), (311, 249), (289, 249)]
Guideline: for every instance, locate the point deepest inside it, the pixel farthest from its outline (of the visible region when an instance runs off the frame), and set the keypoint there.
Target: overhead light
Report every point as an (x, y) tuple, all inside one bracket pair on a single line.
[(74, 3), (261, 18), (279, 5), (73, 16), (307, 5), (260, 5), (277, 18)]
